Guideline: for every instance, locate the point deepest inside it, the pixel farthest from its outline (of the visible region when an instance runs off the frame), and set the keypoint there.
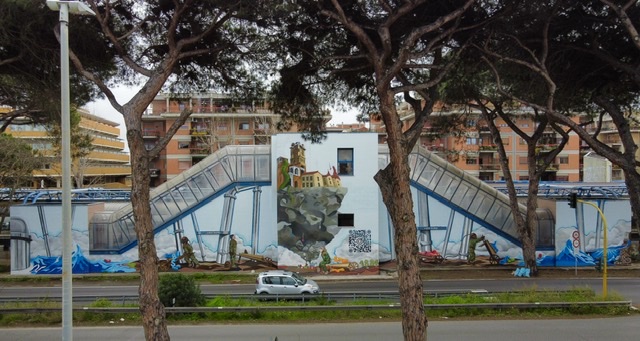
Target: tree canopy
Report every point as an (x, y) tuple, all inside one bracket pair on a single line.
[(30, 62)]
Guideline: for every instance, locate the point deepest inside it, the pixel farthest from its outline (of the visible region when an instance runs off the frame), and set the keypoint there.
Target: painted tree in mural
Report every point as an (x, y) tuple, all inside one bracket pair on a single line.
[(371, 52), (178, 46)]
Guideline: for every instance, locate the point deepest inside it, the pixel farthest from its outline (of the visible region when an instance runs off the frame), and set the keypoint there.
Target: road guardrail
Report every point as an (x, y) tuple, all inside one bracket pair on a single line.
[(189, 310)]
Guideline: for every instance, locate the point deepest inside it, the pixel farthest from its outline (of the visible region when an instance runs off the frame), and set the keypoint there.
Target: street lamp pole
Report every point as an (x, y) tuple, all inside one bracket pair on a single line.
[(66, 7)]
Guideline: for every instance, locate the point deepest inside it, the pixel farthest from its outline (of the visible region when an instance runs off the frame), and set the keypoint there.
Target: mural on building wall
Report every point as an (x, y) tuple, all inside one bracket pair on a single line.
[(308, 204), (580, 234), (37, 243), (317, 215)]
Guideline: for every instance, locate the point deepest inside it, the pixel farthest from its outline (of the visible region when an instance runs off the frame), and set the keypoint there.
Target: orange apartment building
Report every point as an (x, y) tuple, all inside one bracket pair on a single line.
[(107, 165), (473, 150), (217, 120)]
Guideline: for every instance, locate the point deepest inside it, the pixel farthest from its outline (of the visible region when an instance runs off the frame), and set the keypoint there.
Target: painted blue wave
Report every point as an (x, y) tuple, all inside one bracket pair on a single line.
[(613, 252), (546, 260), (567, 258), (43, 265)]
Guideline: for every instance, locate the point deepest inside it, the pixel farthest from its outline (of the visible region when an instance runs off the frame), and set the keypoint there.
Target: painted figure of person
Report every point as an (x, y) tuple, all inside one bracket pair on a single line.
[(326, 259), (473, 241), (233, 248), (187, 253)]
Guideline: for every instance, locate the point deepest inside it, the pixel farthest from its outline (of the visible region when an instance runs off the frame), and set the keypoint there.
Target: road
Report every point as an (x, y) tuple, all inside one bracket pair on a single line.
[(626, 287), (621, 328)]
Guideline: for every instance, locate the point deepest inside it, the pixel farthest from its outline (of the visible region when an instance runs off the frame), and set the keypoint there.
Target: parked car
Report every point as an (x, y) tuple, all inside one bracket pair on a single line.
[(282, 282)]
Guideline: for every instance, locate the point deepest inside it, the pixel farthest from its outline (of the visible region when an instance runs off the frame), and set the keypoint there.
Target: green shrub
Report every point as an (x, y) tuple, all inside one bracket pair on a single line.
[(179, 291)]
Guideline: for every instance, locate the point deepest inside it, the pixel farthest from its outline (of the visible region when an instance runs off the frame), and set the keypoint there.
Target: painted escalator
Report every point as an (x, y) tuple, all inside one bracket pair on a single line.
[(112, 231), (460, 191)]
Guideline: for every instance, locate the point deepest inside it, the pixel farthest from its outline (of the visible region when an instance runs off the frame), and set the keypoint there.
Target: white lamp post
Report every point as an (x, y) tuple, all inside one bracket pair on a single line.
[(66, 7)]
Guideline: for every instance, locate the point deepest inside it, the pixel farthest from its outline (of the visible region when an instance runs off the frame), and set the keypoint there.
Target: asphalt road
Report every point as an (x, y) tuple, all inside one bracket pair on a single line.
[(621, 328), (626, 287)]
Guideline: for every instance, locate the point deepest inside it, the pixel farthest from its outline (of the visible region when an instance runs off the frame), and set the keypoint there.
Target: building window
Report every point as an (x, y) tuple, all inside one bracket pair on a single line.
[(244, 126), (345, 161), (563, 160), (522, 160), (471, 123), (345, 219), (183, 145), (472, 140), (184, 165), (472, 161)]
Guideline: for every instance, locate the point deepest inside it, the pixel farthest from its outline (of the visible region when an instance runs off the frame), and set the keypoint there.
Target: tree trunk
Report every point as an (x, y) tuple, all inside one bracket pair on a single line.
[(632, 180), (395, 186), (528, 235), (526, 224), (153, 313)]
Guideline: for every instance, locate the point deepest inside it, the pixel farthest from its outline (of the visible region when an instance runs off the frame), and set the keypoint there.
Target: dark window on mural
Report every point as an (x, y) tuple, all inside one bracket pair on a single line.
[(546, 231), (345, 161), (345, 219)]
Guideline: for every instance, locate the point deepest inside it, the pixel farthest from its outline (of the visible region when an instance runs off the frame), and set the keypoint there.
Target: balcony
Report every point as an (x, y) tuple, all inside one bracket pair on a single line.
[(488, 148), (205, 150), (553, 167), (490, 167), (199, 132), (547, 147), (151, 134)]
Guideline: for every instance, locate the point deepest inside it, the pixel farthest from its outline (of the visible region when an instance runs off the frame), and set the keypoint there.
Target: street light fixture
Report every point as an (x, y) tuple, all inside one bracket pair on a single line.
[(66, 7)]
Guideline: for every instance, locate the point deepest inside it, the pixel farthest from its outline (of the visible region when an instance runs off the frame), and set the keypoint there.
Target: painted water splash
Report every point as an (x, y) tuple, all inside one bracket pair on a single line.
[(174, 260), (43, 265), (566, 257)]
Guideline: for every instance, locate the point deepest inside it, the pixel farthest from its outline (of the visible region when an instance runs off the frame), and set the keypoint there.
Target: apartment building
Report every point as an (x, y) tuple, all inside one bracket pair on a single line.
[(107, 165), (609, 135), (217, 120), (469, 146)]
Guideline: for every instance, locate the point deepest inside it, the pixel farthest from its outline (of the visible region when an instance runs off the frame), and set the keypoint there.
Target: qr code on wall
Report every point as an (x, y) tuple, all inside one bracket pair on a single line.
[(359, 240)]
